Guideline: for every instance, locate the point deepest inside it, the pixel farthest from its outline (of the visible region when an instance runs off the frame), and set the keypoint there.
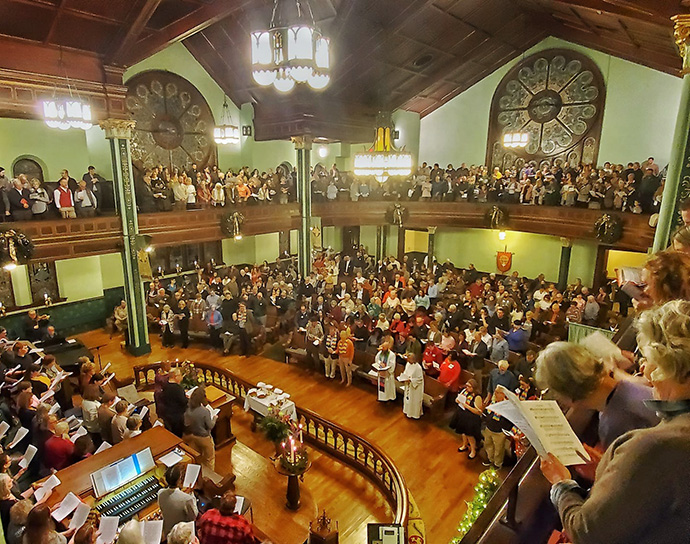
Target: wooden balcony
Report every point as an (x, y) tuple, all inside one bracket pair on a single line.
[(64, 239)]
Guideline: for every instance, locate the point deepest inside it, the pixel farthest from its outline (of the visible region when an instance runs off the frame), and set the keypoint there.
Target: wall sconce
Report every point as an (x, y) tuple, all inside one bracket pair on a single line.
[(246, 130), (502, 235)]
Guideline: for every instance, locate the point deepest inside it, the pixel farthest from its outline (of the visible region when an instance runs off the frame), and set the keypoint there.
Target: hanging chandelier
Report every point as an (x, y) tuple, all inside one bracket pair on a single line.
[(226, 132), (383, 160), (515, 139), (66, 113), (290, 53)]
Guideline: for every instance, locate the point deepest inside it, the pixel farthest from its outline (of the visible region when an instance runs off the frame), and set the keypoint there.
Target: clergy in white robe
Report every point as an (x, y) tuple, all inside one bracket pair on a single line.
[(384, 364), (413, 380)]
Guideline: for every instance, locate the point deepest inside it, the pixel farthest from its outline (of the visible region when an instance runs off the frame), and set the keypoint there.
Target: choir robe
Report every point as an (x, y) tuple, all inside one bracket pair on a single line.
[(413, 380), (386, 378)]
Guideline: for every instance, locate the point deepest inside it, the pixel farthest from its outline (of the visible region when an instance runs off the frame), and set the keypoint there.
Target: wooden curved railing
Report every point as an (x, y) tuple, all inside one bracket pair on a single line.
[(323, 434)]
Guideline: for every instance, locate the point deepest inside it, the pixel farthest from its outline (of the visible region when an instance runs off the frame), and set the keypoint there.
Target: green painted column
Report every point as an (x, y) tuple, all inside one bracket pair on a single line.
[(379, 243), (119, 132), (303, 148), (678, 176), (431, 247)]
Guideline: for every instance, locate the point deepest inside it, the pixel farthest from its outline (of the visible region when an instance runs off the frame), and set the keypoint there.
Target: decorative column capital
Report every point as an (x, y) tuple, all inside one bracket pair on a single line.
[(118, 128), (431, 230), (302, 142), (681, 35)]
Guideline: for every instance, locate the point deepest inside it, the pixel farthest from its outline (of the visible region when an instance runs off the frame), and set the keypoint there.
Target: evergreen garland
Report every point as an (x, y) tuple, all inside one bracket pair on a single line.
[(488, 483)]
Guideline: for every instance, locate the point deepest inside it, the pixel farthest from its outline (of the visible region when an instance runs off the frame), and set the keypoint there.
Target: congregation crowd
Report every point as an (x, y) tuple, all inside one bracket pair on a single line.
[(43, 431), (634, 187)]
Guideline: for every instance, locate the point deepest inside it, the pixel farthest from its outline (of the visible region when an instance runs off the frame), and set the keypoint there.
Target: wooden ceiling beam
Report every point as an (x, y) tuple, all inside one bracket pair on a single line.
[(183, 28), (671, 64), (56, 19), (134, 28), (650, 12), (46, 4)]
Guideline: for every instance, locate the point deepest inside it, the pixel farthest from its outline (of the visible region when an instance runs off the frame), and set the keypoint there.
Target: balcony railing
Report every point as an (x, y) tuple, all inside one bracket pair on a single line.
[(61, 239)]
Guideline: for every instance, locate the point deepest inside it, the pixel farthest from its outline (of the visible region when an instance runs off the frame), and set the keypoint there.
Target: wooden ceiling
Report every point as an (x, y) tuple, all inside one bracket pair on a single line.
[(387, 54)]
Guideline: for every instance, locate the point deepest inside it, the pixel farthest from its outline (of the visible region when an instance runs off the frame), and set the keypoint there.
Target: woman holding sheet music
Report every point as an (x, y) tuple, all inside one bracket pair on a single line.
[(641, 491), (199, 423)]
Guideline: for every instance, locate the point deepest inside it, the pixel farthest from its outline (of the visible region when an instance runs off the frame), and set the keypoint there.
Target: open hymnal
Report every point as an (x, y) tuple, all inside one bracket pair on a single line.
[(47, 486), (544, 425), (67, 506), (4, 427), (107, 529), (20, 434), (129, 393), (28, 456)]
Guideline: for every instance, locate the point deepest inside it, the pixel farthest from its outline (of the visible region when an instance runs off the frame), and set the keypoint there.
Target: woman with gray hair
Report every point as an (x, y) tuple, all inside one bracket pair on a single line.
[(574, 375), (641, 492)]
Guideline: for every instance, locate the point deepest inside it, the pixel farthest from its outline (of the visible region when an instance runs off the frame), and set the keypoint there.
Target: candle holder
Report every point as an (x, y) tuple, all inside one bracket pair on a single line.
[(47, 301), (3, 310)]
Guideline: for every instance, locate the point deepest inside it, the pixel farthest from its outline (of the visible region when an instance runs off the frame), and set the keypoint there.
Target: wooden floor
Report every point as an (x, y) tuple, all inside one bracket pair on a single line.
[(439, 478)]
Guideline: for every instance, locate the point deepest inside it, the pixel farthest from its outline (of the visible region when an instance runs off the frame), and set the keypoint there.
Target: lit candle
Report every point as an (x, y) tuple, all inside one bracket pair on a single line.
[(301, 439)]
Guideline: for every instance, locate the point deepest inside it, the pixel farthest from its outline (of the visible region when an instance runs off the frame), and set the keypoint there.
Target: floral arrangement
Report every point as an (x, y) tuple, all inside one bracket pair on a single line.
[(488, 483), (191, 376), (288, 436)]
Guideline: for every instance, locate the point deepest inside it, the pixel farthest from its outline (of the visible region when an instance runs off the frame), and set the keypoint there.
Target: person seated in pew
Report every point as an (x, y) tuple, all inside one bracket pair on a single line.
[(432, 359), (133, 427)]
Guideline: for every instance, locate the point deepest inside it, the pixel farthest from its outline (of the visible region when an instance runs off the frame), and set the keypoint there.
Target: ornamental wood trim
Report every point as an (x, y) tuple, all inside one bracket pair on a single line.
[(64, 239)]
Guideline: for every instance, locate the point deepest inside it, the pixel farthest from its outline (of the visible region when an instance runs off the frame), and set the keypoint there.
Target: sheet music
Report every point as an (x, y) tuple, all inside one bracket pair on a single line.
[(104, 446), (80, 516), (158, 423), (21, 433), (81, 431), (143, 412), (213, 411), (54, 408), (67, 506), (190, 391), (4, 427), (28, 456), (239, 504), (556, 434), (544, 425), (170, 459), (129, 393), (191, 475), (600, 346), (108, 529), (47, 486), (152, 531), (45, 396)]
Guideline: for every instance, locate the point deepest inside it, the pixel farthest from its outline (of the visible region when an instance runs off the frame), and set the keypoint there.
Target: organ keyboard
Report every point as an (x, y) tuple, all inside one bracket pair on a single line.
[(131, 499)]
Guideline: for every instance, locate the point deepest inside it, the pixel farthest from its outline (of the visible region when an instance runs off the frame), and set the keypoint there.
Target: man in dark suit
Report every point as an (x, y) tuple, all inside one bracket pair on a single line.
[(346, 267), (476, 354), (92, 180), (20, 202), (174, 400)]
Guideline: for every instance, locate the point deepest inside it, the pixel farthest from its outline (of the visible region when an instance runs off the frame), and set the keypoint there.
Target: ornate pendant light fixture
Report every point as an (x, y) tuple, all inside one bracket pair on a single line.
[(66, 113), (515, 139), (291, 51), (383, 160), (226, 132)]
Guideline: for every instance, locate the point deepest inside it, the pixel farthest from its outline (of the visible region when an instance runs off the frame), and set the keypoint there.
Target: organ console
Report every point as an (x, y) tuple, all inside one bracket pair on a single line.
[(137, 496)]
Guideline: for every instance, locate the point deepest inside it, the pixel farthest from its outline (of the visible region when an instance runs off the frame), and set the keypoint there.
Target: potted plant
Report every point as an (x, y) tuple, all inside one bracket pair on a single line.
[(276, 427)]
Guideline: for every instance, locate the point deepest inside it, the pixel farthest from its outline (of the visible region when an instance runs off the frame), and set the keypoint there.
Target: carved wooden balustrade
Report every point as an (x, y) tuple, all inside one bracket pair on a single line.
[(329, 437), (60, 239)]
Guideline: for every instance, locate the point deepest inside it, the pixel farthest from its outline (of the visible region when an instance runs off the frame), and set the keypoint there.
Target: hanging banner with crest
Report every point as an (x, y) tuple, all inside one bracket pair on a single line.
[(504, 260)]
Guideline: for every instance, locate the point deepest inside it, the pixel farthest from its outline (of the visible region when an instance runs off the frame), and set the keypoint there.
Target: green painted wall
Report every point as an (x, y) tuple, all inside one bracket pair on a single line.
[(54, 149), (111, 271), (80, 278), (408, 124), (639, 115), (20, 286), (332, 237), (239, 251), (533, 254), (367, 236), (267, 247)]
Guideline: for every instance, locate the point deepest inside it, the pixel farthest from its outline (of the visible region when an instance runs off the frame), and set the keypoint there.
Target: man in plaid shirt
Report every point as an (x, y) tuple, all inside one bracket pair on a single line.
[(222, 526)]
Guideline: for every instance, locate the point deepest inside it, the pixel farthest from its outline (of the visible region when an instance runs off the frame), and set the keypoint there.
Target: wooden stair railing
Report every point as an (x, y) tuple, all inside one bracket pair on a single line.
[(329, 437)]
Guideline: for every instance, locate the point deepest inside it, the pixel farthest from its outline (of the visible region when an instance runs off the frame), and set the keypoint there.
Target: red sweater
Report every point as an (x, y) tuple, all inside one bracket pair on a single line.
[(57, 452)]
